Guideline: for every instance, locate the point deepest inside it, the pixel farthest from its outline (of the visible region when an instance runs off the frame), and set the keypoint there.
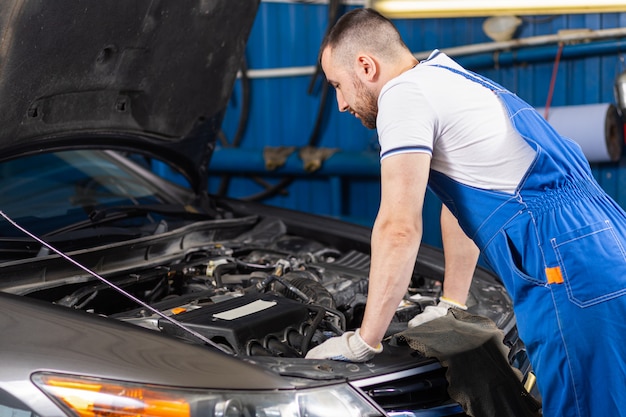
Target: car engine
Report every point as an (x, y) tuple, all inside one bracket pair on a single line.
[(278, 300), (248, 287), (254, 290), (262, 301)]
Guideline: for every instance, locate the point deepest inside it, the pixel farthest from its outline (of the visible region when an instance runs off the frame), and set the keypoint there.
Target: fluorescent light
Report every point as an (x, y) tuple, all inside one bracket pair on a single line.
[(468, 8)]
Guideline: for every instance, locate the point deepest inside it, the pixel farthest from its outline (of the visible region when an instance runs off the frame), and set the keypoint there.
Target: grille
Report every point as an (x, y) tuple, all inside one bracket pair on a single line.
[(412, 393)]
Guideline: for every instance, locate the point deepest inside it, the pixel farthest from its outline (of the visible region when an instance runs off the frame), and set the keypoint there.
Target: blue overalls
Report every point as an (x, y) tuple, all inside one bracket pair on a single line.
[(559, 245)]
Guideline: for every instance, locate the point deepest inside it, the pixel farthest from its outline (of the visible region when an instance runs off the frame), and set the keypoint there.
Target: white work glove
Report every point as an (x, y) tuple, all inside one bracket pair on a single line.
[(433, 312), (347, 347)]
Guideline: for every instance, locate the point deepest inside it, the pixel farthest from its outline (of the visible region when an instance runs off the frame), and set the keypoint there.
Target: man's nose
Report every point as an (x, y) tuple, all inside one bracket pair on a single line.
[(341, 103)]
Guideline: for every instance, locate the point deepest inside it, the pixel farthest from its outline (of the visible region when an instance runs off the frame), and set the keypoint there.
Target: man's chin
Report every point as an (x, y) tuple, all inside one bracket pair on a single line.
[(369, 124), (367, 121)]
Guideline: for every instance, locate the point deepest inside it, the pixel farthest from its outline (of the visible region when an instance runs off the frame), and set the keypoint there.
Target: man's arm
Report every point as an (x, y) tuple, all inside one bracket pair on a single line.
[(460, 255), (396, 237)]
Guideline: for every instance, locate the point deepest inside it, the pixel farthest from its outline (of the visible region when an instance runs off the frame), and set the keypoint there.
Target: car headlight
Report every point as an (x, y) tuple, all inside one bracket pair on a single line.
[(95, 397)]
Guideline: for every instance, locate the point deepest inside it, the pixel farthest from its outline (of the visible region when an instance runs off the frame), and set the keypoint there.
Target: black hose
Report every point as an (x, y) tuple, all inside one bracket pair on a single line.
[(334, 9), (219, 270), (308, 336), (242, 123), (293, 290), (314, 290)]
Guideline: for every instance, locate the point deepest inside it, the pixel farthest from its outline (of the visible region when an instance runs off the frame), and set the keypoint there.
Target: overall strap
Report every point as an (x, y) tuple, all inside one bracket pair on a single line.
[(473, 77)]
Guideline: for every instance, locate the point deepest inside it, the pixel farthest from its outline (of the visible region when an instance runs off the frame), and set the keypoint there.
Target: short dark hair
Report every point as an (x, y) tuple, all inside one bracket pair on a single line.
[(362, 28)]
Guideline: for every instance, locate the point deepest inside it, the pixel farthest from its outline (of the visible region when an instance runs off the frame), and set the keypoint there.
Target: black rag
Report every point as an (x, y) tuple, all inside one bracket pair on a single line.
[(479, 375)]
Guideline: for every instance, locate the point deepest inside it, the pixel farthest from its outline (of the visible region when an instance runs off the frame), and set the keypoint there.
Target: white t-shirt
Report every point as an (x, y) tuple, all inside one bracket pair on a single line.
[(460, 123)]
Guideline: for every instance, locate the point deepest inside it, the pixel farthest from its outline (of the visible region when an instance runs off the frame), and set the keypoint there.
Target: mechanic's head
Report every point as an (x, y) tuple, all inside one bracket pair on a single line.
[(363, 31), (363, 51)]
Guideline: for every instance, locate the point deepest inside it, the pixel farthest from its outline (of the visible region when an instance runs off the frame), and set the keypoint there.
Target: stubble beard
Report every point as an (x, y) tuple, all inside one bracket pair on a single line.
[(367, 105)]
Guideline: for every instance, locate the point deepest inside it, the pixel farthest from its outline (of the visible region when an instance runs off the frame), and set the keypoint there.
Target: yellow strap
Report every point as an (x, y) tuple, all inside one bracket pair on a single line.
[(554, 275), (454, 303)]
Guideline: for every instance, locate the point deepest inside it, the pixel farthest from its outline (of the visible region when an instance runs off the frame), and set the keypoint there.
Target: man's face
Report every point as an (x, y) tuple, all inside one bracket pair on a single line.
[(352, 93)]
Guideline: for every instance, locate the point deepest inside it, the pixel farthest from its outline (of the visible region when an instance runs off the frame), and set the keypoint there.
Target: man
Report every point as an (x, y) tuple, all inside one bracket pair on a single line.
[(524, 195)]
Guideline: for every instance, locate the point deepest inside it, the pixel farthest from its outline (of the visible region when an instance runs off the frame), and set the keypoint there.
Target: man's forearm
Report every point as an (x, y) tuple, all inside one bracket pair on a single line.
[(393, 258), (461, 255), (396, 238)]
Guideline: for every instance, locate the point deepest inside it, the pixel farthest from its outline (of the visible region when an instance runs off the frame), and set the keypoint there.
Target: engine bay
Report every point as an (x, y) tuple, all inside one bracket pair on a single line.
[(250, 287), (279, 300), (262, 292)]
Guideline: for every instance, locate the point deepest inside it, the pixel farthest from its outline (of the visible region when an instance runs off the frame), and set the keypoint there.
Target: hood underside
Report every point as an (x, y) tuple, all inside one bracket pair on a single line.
[(147, 76)]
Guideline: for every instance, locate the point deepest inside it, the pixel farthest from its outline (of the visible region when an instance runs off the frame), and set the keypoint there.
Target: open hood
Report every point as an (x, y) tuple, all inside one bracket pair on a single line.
[(148, 76)]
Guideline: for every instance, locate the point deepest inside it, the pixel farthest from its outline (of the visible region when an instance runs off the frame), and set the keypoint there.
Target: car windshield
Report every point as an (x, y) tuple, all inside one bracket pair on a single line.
[(47, 192)]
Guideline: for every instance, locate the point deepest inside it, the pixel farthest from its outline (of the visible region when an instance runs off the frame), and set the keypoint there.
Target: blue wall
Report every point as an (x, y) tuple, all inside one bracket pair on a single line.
[(281, 111)]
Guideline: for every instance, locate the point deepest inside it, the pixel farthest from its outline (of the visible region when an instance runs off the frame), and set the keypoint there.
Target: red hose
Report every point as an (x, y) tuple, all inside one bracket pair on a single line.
[(555, 69)]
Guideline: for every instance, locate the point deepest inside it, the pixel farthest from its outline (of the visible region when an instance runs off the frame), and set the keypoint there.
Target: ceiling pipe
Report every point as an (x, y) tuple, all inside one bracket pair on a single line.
[(545, 53), (572, 36), (240, 161)]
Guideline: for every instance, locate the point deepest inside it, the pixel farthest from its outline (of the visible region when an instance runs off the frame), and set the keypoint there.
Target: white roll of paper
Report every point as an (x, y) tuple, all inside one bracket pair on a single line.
[(597, 128)]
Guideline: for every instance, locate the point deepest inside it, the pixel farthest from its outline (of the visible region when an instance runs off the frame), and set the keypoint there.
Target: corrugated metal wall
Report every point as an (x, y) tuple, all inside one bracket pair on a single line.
[(279, 103)]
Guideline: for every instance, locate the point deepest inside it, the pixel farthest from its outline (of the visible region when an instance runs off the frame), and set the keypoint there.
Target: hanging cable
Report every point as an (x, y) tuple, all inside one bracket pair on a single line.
[(242, 124), (555, 69), (334, 9)]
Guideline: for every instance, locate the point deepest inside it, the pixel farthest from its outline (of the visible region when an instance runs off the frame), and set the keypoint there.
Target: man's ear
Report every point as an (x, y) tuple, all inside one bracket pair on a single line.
[(367, 67)]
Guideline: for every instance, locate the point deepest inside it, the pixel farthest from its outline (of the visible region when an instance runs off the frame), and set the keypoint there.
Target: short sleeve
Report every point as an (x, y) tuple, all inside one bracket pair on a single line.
[(406, 121)]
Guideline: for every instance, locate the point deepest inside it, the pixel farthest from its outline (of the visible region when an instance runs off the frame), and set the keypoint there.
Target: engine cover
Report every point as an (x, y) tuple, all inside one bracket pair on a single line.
[(252, 324)]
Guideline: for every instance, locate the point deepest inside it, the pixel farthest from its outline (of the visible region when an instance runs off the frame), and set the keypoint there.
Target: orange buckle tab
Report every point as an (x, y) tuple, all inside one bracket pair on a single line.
[(554, 275)]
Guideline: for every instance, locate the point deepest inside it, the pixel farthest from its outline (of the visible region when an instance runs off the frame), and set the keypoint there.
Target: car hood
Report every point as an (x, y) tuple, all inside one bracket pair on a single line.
[(152, 77)]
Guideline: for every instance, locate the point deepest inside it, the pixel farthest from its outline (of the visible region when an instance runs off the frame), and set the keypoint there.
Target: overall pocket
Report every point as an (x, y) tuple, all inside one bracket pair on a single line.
[(593, 263)]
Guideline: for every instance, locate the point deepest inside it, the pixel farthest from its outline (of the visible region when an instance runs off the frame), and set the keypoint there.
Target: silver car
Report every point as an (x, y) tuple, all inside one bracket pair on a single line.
[(124, 293)]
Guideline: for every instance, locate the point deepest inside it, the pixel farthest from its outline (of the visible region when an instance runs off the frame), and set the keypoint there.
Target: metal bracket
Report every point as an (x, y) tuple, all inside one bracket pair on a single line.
[(276, 157), (314, 157)]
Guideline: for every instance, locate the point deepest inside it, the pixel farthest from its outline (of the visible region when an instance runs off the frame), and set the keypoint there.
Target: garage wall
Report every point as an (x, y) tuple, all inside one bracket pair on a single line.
[(279, 102)]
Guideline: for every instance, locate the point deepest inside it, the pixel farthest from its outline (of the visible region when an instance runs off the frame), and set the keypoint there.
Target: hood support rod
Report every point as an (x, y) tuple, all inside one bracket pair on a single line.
[(117, 288)]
